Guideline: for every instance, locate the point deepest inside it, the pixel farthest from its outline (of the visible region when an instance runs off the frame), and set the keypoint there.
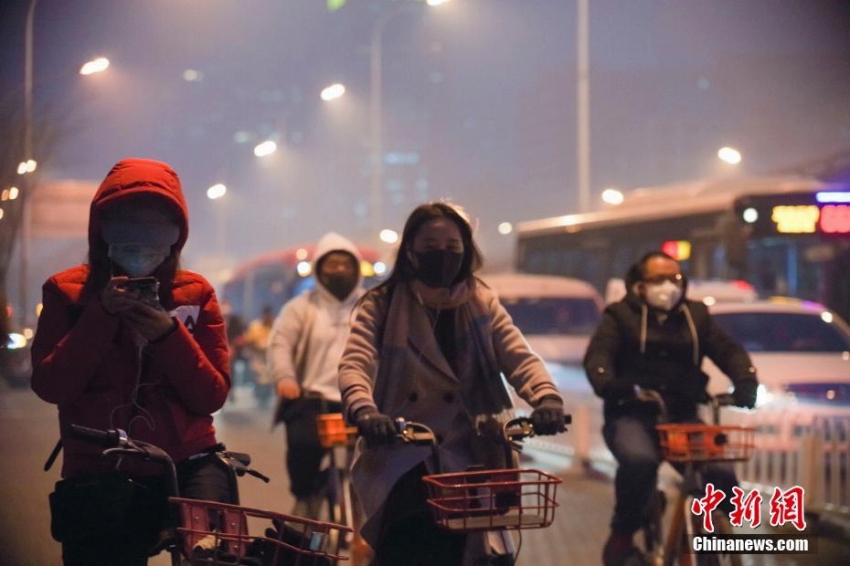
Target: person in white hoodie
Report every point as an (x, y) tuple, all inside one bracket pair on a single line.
[(305, 345)]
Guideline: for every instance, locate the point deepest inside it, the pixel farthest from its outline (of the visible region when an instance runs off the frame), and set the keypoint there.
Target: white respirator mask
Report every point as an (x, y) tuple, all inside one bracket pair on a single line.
[(138, 260), (663, 296)]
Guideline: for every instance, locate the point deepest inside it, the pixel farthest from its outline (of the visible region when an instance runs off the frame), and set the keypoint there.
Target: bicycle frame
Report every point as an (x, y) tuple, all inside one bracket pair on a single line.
[(693, 446), (343, 507)]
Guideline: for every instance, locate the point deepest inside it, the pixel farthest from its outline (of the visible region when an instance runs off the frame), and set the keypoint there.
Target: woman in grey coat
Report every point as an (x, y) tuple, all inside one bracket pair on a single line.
[(431, 344)]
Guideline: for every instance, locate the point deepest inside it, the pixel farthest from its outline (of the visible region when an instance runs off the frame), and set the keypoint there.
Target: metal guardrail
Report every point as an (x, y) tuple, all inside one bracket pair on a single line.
[(802, 447)]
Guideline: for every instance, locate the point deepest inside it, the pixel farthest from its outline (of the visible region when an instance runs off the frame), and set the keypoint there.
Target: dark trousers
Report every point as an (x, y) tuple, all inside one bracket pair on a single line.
[(634, 443), (409, 535), (130, 543), (304, 451)]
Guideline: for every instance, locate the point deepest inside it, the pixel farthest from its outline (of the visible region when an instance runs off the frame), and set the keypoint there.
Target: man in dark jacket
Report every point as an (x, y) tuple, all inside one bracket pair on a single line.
[(656, 339)]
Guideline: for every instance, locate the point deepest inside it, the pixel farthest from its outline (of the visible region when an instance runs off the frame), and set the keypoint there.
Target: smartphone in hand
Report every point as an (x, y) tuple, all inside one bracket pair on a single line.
[(146, 287)]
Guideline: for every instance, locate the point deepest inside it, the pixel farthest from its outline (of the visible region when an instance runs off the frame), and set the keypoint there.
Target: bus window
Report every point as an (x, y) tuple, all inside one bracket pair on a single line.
[(838, 291)]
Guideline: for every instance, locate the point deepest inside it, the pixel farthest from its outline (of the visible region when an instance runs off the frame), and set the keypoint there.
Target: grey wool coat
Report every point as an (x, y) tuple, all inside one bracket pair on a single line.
[(402, 372)]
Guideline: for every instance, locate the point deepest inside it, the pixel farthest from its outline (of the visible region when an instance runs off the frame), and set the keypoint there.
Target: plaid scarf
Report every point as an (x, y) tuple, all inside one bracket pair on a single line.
[(476, 367)]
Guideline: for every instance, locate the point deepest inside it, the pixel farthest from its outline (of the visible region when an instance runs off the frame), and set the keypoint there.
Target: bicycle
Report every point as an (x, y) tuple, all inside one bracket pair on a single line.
[(335, 436), (691, 446), (212, 533), (496, 501)]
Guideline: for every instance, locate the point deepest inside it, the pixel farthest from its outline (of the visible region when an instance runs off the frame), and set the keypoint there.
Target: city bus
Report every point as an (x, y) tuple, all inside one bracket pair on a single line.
[(784, 235), (271, 279)]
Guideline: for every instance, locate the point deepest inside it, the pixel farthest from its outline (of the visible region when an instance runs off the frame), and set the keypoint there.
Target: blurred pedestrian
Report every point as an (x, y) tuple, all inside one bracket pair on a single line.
[(234, 328), (431, 344), (147, 356), (306, 344), (254, 344)]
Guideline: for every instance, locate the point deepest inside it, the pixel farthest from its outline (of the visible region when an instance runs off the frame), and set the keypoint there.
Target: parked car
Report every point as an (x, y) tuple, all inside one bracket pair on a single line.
[(801, 350), (556, 314), (15, 360)]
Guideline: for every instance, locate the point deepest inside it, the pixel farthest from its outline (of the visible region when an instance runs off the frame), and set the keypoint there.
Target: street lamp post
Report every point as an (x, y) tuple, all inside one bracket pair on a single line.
[(29, 163), (26, 184), (376, 112), (583, 104)]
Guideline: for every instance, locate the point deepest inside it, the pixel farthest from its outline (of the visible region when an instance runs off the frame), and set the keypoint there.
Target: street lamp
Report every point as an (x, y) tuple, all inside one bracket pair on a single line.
[(613, 196), (376, 110), (729, 155), (29, 164), (216, 192), (95, 66), (262, 149), (332, 92)]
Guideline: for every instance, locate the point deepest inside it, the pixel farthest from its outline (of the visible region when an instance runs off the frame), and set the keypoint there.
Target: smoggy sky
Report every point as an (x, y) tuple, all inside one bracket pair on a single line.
[(479, 102)]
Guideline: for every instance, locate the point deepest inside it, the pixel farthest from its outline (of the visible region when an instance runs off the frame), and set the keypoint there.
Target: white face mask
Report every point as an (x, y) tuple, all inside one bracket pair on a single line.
[(138, 260), (663, 296)]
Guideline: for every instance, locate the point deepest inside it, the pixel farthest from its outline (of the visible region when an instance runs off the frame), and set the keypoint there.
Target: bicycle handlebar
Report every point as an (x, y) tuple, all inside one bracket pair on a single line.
[(722, 400), (523, 427), (116, 440), (240, 462), (419, 434), (651, 396), (110, 438), (411, 432)]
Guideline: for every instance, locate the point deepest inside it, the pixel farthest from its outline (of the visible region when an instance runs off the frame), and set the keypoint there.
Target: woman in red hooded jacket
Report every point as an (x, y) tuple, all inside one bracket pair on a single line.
[(110, 359)]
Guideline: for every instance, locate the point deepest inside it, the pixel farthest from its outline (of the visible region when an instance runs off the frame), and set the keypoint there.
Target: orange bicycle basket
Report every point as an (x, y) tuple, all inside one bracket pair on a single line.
[(704, 442), (333, 431), (492, 499)]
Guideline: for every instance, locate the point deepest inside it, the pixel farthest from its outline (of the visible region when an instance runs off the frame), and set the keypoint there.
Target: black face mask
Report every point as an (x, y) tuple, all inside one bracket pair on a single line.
[(438, 268), (339, 285)]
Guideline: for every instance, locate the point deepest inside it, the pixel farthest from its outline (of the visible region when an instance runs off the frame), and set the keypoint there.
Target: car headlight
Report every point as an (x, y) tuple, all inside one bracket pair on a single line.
[(763, 396), (16, 341)]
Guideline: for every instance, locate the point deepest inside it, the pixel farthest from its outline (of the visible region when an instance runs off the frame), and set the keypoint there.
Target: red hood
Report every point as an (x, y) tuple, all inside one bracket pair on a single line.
[(134, 177)]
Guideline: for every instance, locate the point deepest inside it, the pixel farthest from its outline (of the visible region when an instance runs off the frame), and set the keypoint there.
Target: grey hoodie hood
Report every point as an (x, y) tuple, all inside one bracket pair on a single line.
[(333, 242)]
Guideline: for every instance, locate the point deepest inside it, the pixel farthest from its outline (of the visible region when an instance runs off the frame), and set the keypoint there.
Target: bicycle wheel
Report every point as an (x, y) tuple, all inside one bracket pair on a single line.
[(677, 549), (652, 529), (722, 526)]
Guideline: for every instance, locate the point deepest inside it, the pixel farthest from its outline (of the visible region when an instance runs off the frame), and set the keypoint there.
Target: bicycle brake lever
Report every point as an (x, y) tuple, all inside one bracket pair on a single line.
[(258, 475)]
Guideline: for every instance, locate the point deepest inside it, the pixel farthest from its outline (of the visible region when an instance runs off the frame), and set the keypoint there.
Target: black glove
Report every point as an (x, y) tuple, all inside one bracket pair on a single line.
[(377, 428), (548, 417), (745, 394)]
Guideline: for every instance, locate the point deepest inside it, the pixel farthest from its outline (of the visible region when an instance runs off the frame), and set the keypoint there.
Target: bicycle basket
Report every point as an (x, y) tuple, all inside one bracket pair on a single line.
[(333, 431), (492, 499), (286, 540), (703, 442)]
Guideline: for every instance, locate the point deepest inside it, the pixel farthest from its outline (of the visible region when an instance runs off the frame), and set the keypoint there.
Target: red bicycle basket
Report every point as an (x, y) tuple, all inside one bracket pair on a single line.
[(294, 540), (333, 431), (704, 442), (493, 499)]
